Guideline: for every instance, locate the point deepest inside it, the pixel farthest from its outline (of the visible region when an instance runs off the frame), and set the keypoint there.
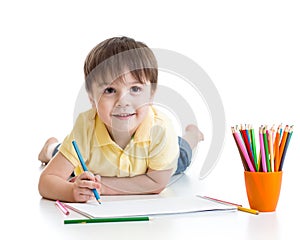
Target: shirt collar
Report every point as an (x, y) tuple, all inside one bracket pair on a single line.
[(142, 134), (102, 135)]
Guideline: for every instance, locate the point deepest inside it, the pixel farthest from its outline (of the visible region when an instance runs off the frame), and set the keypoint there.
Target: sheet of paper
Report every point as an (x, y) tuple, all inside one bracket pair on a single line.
[(148, 207)]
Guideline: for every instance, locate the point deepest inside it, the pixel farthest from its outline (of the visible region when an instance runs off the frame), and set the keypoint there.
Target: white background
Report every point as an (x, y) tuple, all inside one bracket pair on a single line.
[(250, 50)]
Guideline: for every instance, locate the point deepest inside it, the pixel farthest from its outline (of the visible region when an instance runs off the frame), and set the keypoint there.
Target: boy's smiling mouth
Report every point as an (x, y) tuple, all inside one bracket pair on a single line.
[(123, 116)]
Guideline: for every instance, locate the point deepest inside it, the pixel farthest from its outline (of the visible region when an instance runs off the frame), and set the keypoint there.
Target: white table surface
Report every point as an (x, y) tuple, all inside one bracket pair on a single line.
[(31, 215)]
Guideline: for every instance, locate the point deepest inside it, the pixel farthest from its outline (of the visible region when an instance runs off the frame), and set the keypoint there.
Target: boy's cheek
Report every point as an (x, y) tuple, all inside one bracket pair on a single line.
[(143, 101)]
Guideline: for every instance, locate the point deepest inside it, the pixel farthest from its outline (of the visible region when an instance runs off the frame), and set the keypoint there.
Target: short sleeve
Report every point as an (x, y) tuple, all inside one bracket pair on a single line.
[(164, 147), (81, 133)]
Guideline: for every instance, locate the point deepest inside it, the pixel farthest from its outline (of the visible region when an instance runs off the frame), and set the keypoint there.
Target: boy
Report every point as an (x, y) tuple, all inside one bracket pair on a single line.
[(129, 146)]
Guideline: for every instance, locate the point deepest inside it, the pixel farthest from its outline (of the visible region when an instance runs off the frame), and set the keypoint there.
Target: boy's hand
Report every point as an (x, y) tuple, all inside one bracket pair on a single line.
[(83, 185)]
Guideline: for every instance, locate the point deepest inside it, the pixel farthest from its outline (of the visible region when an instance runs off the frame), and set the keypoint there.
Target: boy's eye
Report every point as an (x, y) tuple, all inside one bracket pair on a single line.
[(109, 90), (135, 89)]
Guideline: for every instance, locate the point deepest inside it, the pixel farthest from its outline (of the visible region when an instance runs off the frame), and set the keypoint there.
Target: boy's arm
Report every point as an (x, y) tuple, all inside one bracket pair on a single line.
[(152, 182), (54, 184)]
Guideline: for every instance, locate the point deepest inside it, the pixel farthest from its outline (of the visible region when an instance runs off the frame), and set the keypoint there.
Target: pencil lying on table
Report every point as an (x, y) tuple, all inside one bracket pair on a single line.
[(248, 210), (103, 220), (239, 207)]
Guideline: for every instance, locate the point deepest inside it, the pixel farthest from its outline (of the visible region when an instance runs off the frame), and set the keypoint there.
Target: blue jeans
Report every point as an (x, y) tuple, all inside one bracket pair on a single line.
[(185, 156), (184, 159)]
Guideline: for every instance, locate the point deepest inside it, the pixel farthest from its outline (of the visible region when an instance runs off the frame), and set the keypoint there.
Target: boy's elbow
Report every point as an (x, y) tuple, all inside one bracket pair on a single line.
[(159, 188), (158, 191), (160, 179), (43, 186), (40, 186)]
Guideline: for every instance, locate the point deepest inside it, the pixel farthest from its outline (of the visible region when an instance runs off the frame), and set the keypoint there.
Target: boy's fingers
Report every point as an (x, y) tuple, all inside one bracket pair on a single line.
[(84, 197), (88, 184), (86, 180), (86, 192), (98, 178), (87, 175)]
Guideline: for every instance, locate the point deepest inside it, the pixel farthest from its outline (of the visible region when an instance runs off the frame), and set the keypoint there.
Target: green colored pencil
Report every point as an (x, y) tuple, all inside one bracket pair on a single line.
[(103, 220), (254, 148), (266, 150)]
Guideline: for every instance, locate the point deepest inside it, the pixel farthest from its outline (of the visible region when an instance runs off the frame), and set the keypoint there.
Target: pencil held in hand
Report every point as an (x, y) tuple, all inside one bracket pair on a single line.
[(97, 196)]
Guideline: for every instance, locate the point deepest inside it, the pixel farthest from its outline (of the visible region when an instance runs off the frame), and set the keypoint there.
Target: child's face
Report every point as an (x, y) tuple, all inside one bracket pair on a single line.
[(123, 104)]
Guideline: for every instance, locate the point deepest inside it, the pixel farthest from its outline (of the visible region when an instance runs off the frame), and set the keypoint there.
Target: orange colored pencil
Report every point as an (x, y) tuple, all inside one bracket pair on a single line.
[(276, 150)]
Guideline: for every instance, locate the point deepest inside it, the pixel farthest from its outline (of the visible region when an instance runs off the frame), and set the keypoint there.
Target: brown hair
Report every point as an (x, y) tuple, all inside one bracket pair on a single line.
[(112, 58)]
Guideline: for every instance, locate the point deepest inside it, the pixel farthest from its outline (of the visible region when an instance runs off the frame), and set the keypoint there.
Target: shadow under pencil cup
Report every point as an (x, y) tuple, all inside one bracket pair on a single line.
[(263, 190)]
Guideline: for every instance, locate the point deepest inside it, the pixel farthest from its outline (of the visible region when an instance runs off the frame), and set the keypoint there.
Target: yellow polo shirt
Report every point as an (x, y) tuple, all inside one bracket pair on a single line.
[(154, 145)]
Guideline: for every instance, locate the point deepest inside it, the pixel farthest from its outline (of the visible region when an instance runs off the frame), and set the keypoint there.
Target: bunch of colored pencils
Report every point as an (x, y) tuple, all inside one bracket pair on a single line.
[(273, 147)]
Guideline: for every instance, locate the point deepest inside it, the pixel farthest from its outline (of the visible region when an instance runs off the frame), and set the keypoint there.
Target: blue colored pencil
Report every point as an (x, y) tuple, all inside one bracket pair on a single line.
[(85, 168)]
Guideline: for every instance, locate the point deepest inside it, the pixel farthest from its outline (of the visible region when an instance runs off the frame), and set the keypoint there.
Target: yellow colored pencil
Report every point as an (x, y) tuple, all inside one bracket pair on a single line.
[(239, 207), (248, 210)]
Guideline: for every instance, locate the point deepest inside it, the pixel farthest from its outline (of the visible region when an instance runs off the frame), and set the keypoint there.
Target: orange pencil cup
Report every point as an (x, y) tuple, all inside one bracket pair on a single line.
[(263, 190)]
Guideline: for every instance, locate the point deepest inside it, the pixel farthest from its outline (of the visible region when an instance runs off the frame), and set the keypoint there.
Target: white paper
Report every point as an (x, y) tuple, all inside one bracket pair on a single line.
[(148, 207)]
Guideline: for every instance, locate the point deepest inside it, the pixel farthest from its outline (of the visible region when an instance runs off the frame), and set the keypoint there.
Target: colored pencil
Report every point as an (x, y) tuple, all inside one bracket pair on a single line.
[(248, 210), (283, 140), (286, 147), (239, 206), (280, 130), (221, 201), (106, 220), (271, 151), (244, 151), (276, 149), (246, 168), (97, 196), (259, 161), (62, 207), (254, 149), (247, 144), (266, 150), (273, 145), (262, 150)]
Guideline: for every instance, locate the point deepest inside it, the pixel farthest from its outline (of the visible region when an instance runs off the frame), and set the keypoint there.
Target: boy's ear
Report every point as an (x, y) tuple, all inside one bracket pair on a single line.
[(152, 98)]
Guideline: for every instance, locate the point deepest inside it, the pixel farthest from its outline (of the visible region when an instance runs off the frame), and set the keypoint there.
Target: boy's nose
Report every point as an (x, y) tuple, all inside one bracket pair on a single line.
[(123, 100)]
